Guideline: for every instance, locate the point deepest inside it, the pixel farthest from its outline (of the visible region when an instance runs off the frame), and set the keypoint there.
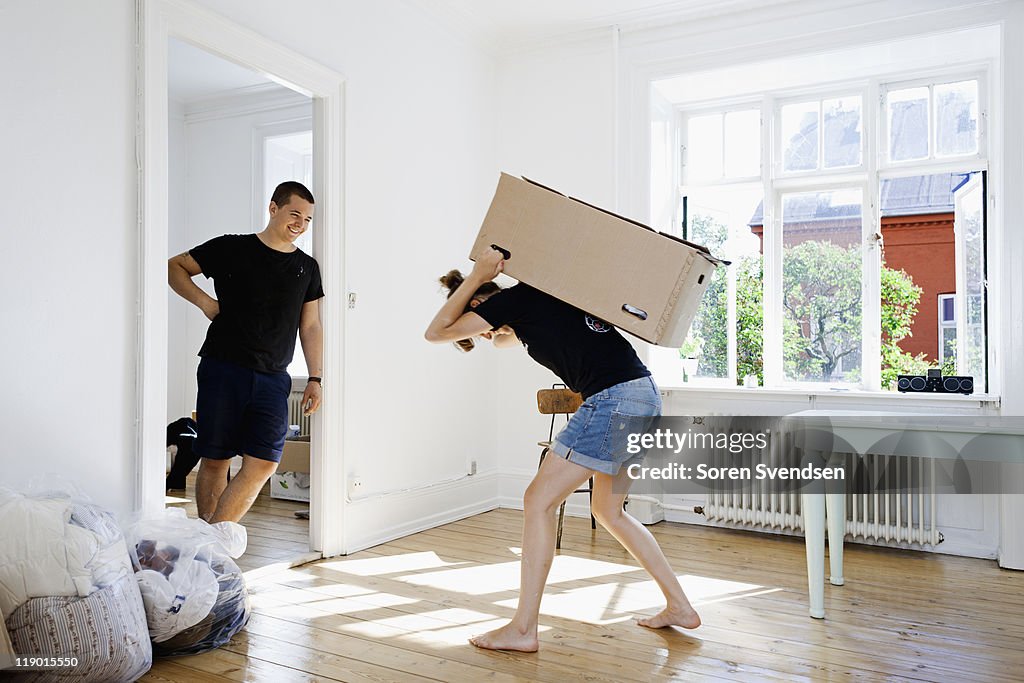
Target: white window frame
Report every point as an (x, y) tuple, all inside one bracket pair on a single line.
[(683, 134), (868, 177), (944, 325), (685, 188)]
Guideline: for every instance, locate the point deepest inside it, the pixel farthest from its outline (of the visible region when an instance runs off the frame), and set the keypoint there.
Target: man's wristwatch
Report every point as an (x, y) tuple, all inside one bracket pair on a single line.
[(318, 380)]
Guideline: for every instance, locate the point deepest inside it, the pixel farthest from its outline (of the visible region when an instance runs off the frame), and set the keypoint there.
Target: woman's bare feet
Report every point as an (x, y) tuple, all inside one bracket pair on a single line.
[(508, 637), (686, 617)]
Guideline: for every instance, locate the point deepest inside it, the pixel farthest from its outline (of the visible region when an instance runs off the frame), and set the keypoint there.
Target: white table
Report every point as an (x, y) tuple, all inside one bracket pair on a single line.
[(1005, 437)]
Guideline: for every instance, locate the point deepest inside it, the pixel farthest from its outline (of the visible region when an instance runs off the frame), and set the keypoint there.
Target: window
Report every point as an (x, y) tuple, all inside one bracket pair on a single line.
[(947, 330), (821, 286), (933, 121), (846, 210), (821, 134), (723, 146)]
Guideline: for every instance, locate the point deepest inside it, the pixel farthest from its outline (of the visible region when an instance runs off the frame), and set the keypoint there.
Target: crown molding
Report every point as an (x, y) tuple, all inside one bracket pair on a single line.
[(240, 101)]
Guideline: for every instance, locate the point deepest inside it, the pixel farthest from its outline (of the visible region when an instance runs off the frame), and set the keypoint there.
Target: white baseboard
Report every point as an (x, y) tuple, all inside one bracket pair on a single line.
[(379, 519)]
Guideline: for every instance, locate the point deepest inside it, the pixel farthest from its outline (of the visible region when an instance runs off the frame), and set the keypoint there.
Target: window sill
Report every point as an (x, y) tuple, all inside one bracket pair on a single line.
[(888, 398)]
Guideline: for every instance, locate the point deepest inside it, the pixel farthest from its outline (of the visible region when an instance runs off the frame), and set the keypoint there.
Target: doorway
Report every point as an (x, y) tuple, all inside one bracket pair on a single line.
[(226, 139), (169, 31)]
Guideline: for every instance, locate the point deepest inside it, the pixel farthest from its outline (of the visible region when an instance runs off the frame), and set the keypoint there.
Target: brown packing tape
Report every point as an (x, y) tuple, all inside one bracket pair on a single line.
[(666, 317)]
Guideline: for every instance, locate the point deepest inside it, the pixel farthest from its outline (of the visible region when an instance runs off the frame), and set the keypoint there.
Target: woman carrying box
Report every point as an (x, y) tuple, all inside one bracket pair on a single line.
[(591, 357)]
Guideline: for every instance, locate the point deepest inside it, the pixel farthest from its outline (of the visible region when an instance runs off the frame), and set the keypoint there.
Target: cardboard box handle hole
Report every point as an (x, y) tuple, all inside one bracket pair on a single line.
[(633, 310)]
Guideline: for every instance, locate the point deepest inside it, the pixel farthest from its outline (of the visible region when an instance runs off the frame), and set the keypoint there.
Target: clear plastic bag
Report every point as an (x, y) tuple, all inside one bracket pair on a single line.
[(194, 593)]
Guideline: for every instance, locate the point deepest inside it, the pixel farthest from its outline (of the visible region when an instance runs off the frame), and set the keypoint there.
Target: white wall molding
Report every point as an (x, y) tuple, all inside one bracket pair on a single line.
[(252, 99)]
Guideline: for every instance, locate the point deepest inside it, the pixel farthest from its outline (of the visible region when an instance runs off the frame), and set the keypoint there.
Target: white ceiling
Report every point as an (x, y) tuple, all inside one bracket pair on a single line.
[(505, 24), (193, 73), (499, 25)]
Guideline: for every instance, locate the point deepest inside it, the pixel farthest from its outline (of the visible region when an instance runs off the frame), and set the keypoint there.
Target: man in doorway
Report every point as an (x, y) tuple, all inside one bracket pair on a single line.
[(267, 289)]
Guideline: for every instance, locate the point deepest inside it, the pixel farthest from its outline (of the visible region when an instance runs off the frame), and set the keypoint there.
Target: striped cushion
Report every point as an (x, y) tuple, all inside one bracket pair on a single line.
[(106, 631)]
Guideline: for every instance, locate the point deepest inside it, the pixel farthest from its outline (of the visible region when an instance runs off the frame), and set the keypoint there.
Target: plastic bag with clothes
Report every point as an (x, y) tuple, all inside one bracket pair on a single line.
[(67, 588), (194, 593)]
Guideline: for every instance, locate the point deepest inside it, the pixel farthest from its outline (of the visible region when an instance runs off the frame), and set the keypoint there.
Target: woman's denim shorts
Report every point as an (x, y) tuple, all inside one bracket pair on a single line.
[(596, 436)]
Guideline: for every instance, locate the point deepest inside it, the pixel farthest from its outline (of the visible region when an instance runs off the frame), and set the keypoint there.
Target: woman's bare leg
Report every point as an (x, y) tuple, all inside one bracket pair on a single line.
[(634, 536), (552, 484)]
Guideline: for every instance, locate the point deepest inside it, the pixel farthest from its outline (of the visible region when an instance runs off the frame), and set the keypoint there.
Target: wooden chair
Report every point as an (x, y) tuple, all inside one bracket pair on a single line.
[(559, 400)]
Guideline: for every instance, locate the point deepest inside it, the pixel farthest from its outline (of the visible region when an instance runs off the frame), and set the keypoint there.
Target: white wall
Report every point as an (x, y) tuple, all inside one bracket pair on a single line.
[(555, 123), (419, 173), (557, 114), (69, 274)]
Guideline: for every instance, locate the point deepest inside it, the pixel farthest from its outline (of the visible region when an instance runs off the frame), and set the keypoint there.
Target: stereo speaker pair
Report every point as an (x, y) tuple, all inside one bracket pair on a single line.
[(934, 382)]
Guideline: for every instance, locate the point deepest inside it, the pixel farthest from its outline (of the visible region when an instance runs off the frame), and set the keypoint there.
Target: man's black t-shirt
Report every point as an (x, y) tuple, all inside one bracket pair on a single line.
[(261, 292), (586, 353)]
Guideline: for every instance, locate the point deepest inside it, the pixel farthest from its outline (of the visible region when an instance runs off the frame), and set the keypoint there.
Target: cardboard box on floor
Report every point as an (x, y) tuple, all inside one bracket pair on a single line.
[(291, 481), (642, 281), (295, 457)]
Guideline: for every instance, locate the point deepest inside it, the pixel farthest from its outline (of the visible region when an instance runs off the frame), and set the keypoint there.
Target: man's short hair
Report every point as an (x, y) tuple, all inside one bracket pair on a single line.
[(283, 193)]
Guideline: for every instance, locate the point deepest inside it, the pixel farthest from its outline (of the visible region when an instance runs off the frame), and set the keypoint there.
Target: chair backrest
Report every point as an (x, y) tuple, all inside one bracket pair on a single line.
[(557, 400)]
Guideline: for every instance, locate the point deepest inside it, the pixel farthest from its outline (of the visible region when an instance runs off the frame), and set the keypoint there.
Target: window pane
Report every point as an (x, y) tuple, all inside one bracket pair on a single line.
[(704, 148), (947, 351), (908, 124), (956, 118), (727, 221), (920, 279), (971, 280), (743, 143), (721, 220), (842, 132), (800, 136), (948, 310), (821, 272)]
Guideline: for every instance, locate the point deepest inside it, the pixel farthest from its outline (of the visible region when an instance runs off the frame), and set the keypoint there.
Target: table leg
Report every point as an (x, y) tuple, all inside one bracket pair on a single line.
[(813, 507), (835, 513)]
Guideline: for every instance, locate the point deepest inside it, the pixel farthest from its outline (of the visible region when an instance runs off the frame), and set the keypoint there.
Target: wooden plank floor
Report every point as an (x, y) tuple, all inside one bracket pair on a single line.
[(276, 537), (402, 612)]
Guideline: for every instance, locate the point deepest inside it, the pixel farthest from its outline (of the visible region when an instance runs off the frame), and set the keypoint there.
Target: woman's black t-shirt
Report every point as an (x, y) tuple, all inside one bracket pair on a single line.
[(586, 353)]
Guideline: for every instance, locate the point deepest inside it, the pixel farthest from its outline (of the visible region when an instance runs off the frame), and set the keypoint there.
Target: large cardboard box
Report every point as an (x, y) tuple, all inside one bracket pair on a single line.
[(640, 280)]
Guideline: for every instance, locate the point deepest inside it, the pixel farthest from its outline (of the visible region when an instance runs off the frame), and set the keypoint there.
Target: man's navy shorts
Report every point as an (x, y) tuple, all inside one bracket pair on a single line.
[(240, 411)]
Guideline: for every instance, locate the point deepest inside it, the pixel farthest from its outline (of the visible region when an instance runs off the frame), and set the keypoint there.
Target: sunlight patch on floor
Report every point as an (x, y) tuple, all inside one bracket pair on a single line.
[(391, 564), (504, 576)]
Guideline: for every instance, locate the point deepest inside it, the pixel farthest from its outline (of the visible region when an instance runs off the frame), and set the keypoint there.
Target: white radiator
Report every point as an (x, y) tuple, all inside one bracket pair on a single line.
[(295, 416), (899, 514)]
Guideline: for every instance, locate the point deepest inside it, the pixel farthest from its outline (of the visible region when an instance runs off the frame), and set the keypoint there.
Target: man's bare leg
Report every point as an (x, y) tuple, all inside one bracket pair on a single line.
[(210, 484), (240, 494)]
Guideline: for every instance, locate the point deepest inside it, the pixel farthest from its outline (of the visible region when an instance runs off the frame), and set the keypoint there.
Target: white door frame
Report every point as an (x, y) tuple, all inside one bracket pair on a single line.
[(158, 21)]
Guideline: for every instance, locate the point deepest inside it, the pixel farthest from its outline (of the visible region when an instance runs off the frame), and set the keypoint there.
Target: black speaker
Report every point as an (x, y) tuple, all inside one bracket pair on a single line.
[(935, 383)]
